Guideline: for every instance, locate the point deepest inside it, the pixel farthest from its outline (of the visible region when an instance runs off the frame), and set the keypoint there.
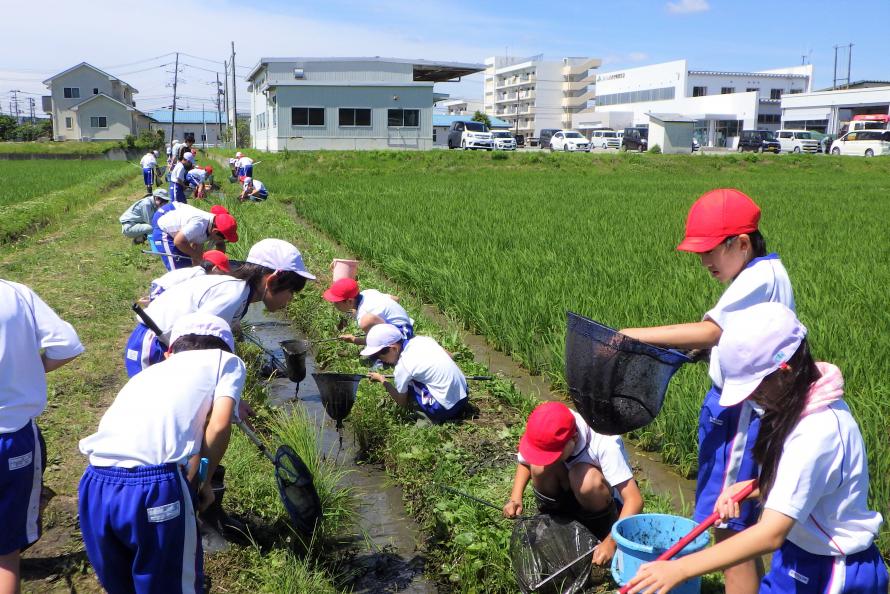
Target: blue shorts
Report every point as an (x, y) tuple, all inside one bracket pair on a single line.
[(177, 192), (148, 175), (139, 529), (407, 331), (431, 407), (22, 460), (795, 571), (163, 242), (246, 171), (142, 350), (259, 196), (726, 439)]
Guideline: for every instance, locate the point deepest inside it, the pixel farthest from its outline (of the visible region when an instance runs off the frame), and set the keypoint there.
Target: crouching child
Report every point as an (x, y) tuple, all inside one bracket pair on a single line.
[(138, 496), (575, 472), (425, 377)]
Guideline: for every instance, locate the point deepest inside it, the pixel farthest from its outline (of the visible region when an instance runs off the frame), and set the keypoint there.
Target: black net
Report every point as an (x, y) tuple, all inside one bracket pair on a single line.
[(295, 358), (337, 391), (297, 490), (617, 383), (551, 554)]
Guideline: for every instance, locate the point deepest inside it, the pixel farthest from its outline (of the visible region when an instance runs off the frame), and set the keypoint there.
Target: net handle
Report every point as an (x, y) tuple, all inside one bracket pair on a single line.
[(256, 440), (564, 568), (477, 500)]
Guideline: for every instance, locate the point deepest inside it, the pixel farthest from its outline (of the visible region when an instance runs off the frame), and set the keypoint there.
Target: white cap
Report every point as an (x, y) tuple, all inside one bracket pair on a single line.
[(239, 154), (380, 337), (755, 342), (247, 180), (278, 254), (161, 193), (155, 153), (188, 157), (202, 324)]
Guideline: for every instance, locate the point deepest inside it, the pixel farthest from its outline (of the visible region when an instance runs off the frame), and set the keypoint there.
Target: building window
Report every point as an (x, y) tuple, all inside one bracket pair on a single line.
[(350, 116), (307, 116), (203, 138), (661, 94), (727, 90), (775, 94), (699, 91), (274, 110), (71, 93), (69, 123), (768, 118), (409, 118), (95, 91), (795, 91), (98, 122), (751, 90)]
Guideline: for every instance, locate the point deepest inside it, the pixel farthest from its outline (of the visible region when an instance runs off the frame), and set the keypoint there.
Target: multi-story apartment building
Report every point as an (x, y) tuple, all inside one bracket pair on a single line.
[(532, 93), (458, 107)]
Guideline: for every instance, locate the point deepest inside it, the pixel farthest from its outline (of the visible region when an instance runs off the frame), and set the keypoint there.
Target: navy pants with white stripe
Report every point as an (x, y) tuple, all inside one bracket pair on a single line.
[(795, 571), (163, 243), (22, 460), (139, 528), (142, 350), (148, 176)]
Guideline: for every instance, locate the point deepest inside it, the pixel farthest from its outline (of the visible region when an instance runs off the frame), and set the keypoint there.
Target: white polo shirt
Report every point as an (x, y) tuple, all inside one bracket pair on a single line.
[(244, 162), (159, 416), (148, 161), (27, 325), (217, 294), (174, 277), (606, 452), (196, 175), (424, 361), (193, 222), (763, 280), (372, 301), (178, 173), (822, 483), (258, 186)]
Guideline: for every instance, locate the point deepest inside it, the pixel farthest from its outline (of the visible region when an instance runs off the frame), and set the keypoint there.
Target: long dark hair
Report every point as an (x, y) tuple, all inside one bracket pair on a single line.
[(783, 396), (253, 275), (758, 243)]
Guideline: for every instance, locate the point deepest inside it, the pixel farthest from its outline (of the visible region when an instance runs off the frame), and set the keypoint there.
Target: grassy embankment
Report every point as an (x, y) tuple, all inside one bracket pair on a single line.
[(507, 243), (72, 147)]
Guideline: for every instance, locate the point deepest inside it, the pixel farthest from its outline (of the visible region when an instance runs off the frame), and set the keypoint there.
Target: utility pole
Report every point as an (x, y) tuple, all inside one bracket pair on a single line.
[(234, 101), (849, 62), (15, 102), (849, 47), (218, 115), (204, 124), (226, 97), (31, 103), (173, 116)]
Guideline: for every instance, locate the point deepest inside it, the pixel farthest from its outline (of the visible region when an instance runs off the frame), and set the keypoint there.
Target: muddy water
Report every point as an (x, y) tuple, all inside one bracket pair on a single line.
[(387, 550), (660, 477)]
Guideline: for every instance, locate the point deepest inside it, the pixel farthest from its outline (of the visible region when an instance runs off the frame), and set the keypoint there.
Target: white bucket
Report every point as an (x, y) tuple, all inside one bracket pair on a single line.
[(343, 269)]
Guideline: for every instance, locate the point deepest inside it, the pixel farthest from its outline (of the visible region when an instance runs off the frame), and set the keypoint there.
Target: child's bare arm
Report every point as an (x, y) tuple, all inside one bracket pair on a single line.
[(513, 507), (216, 435), (694, 335), (633, 504)]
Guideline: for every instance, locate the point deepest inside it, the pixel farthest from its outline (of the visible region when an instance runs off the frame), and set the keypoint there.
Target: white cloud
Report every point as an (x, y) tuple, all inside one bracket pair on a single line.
[(687, 6)]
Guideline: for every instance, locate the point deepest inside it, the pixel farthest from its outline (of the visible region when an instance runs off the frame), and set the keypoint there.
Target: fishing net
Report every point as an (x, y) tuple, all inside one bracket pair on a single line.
[(295, 358), (617, 383), (337, 391), (551, 554), (297, 490)]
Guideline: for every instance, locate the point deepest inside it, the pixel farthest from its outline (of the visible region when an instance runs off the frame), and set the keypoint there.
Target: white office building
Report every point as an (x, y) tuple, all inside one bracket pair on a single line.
[(721, 103), (461, 107), (829, 111), (346, 103), (532, 93)]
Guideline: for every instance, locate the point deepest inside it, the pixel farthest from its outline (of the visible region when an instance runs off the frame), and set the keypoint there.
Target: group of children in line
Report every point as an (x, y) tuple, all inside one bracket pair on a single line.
[(773, 414)]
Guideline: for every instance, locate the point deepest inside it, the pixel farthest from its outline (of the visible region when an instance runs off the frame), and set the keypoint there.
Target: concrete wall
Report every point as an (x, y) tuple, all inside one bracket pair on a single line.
[(118, 117), (673, 137)]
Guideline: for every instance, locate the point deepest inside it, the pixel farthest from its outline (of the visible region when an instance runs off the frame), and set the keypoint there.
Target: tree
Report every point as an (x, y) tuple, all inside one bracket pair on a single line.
[(482, 117), (7, 127)]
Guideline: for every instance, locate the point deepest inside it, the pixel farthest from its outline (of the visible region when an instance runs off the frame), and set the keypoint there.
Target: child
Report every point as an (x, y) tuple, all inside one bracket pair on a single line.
[(243, 165), (33, 342), (722, 228), (253, 190), (177, 177), (136, 220), (136, 503), (199, 179), (184, 230), (149, 164), (272, 273), (425, 374), (814, 471), (575, 471), (370, 307), (214, 261)]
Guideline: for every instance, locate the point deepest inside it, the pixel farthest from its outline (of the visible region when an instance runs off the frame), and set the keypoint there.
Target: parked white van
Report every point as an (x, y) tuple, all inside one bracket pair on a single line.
[(605, 139), (797, 141), (866, 143)]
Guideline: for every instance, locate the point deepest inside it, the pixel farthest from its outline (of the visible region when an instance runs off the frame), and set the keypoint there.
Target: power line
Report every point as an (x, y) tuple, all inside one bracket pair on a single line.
[(139, 61)]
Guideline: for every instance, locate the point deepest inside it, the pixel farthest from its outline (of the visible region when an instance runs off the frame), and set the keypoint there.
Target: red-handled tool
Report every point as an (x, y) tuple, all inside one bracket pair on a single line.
[(695, 532)]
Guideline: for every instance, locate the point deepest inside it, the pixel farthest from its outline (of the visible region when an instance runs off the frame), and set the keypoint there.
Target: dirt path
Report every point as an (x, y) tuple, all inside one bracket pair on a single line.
[(89, 273)]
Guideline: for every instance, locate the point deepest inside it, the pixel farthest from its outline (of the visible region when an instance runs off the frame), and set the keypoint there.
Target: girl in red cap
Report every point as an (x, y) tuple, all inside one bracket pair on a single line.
[(369, 308), (722, 228), (575, 471)]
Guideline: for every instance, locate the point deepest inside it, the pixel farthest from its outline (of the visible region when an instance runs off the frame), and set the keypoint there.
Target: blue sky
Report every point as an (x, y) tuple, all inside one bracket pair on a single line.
[(711, 34)]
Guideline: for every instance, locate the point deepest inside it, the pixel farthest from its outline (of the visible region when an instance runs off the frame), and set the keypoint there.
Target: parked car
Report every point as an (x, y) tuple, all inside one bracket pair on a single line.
[(759, 141), (545, 136), (823, 139), (503, 141), (605, 139), (695, 145), (797, 141), (569, 140), (867, 143), (635, 139), (469, 135)]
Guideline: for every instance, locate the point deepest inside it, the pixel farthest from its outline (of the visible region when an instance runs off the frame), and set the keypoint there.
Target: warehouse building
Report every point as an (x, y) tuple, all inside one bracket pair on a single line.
[(203, 127), (830, 110), (346, 103)]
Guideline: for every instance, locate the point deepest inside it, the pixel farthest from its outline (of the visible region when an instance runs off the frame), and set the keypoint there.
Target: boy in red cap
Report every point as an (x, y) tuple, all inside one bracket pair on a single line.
[(722, 228), (183, 231), (369, 307), (575, 472)]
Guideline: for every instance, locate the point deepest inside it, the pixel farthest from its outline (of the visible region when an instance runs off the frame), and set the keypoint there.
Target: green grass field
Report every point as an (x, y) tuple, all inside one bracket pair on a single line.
[(23, 180), (55, 148), (507, 245)]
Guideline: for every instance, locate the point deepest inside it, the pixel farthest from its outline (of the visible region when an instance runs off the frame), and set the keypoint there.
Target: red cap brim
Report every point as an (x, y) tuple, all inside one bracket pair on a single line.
[(332, 297), (699, 245), (224, 266), (535, 455)]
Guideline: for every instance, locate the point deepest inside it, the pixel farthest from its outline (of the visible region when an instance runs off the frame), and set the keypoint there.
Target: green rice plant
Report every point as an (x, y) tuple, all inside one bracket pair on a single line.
[(72, 147), (23, 180)]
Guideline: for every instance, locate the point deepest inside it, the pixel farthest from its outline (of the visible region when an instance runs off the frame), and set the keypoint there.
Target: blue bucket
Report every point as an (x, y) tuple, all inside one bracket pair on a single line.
[(642, 538)]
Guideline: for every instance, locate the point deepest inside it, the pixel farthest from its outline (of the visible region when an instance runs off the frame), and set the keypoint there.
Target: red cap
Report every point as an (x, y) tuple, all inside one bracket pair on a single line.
[(549, 428), (718, 214), (227, 225), (241, 178), (209, 169), (219, 259), (341, 290), (218, 209)]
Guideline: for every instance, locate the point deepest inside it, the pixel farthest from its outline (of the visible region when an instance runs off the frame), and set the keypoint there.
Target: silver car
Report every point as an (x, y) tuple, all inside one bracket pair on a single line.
[(503, 141)]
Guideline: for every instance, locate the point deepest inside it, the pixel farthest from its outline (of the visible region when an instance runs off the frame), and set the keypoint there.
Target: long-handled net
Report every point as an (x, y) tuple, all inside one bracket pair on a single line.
[(617, 383)]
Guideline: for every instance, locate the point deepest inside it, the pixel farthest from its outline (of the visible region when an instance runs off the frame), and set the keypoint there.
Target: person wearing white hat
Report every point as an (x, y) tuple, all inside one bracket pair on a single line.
[(177, 177), (813, 479), (243, 165), (272, 273), (135, 498), (253, 190), (425, 376), (136, 220)]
